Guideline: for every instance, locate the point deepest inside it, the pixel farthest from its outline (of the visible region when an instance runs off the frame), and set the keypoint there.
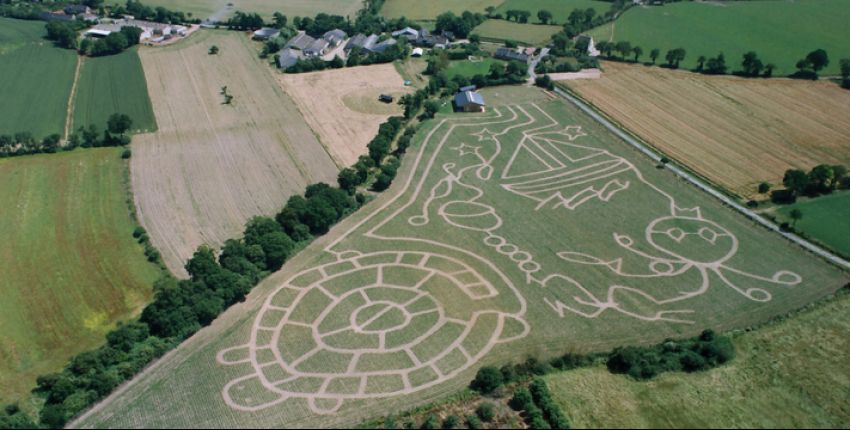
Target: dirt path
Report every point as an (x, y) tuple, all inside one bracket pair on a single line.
[(69, 116)]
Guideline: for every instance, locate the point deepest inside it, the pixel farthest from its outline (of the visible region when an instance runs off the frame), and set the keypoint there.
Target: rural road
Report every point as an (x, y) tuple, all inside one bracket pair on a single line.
[(533, 65), (704, 186)]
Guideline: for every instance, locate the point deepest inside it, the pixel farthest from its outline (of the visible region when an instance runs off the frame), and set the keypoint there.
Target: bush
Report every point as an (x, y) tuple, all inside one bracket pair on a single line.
[(522, 400), (690, 355), (451, 422), (487, 380), (430, 422), (126, 154), (487, 412), (473, 422)]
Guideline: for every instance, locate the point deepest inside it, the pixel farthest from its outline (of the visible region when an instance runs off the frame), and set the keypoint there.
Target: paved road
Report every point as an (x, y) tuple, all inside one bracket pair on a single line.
[(704, 186), (536, 60)]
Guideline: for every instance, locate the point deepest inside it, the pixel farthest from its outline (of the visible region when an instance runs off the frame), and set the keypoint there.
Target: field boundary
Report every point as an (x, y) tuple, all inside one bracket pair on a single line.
[(72, 99), (699, 183)]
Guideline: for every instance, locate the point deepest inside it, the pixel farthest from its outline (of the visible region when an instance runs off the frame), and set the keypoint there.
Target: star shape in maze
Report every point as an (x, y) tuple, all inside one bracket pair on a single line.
[(485, 134), (465, 149), (572, 132)]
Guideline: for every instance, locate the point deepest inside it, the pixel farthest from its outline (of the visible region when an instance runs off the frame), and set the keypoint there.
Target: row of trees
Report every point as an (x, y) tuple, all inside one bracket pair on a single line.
[(705, 352), (541, 411), (461, 25), (822, 179), (23, 143)]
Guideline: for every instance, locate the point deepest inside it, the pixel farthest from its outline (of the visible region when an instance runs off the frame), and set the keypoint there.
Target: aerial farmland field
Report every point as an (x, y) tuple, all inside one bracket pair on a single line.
[(428, 10), (736, 132), (789, 374), (531, 34), (113, 84), (71, 266), (35, 79), (781, 32), (825, 219), (480, 253), (211, 166), (346, 112), (291, 8)]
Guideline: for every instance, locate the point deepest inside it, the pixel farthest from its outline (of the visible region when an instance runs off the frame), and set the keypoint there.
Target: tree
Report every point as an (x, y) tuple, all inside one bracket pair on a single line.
[(132, 34), (486, 412), (716, 65), (845, 68), (796, 181), (638, 51), (821, 178), (817, 59), (279, 20), (796, 215), (624, 48), (348, 179), (487, 380), (701, 63), (213, 50), (764, 188), (751, 64), (431, 109), (674, 57), (544, 16), (119, 123), (653, 55)]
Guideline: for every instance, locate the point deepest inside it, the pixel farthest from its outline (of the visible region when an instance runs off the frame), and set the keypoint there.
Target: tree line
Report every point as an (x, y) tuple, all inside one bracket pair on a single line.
[(114, 134), (821, 179)]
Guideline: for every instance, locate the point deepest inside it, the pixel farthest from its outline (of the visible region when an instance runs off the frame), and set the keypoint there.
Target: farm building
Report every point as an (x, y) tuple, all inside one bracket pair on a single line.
[(383, 46), (467, 88), (287, 57), (152, 31), (417, 52), (335, 37), (409, 33), (469, 101), (266, 33), (317, 48), (511, 54), (300, 41)]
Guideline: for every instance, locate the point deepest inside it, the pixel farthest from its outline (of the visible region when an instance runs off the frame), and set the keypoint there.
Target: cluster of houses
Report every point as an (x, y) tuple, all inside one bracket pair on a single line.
[(425, 38), (303, 46), (151, 31), (74, 12)]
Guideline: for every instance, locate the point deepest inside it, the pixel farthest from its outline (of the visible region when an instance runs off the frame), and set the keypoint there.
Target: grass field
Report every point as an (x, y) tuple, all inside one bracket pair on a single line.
[(71, 266), (113, 84), (735, 132), (471, 68), (708, 28), (35, 79), (525, 231), (789, 374), (210, 167), (428, 10), (346, 113), (826, 219), (560, 8), (531, 34), (291, 8)]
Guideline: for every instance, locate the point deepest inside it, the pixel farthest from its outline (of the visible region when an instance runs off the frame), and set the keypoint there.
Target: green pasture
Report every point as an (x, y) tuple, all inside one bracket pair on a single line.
[(113, 84), (789, 374), (825, 219), (780, 32), (471, 68), (428, 10), (530, 34), (35, 79), (71, 266), (560, 9), (533, 229)]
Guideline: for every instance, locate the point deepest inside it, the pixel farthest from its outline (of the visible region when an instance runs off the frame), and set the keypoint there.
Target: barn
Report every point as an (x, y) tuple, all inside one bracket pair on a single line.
[(469, 101)]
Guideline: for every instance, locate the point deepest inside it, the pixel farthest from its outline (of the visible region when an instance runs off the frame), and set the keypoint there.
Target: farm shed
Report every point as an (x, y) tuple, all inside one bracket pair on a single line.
[(469, 101), (335, 37), (287, 57), (266, 33)]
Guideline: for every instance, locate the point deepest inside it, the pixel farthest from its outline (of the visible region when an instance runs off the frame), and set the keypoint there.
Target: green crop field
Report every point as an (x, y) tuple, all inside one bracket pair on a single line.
[(113, 84), (428, 10), (560, 8), (708, 28), (531, 34), (790, 374), (71, 266), (528, 230), (35, 80), (825, 219), (291, 8)]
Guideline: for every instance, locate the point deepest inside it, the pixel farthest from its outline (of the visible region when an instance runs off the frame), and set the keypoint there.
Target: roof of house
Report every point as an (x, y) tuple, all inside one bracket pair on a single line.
[(74, 9), (417, 52), (317, 46), (335, 34), (301, 41), (406, 31), (467, 88), (357, 40), (511, 54), (52, 16), (468, 97), (267, 32), (381, 47), (288, 57)]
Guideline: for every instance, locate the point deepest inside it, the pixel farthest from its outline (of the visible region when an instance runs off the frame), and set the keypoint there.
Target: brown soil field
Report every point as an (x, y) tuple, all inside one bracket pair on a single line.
[(212, 166), (735, 132), (342, 105)]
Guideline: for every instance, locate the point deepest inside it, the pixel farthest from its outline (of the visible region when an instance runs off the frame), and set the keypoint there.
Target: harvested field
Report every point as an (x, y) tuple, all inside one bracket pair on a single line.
[(71, 268), (733, 131), (212, 166), (529, 34), (342, 105), (525, 231)]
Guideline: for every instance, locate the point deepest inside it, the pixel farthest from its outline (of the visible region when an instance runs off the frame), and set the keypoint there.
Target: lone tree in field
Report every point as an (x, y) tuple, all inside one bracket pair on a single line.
[(653, 55), (544, 16), (796, 215), (213, 50)]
